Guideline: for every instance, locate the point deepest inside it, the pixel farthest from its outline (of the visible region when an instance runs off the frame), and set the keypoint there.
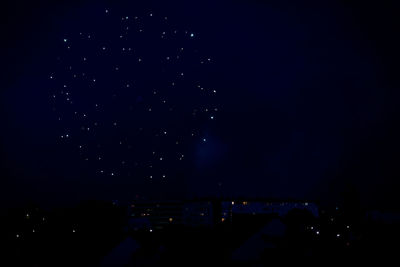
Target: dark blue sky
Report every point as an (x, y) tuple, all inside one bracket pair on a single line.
[(308, 97)]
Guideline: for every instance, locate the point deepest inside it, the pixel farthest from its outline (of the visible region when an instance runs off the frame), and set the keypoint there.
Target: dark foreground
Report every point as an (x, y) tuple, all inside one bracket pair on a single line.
[(103, 234)]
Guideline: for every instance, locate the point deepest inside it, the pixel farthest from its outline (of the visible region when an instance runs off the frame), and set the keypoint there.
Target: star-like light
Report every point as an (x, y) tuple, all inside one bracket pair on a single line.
[(129, 77)]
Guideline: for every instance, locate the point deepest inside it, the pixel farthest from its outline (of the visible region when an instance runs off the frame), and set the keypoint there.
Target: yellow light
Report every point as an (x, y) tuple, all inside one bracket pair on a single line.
[(222, 219), (170, 219)]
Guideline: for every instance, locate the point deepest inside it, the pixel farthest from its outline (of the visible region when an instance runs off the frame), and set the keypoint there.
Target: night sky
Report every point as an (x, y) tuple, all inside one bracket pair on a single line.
[(122, 100)]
